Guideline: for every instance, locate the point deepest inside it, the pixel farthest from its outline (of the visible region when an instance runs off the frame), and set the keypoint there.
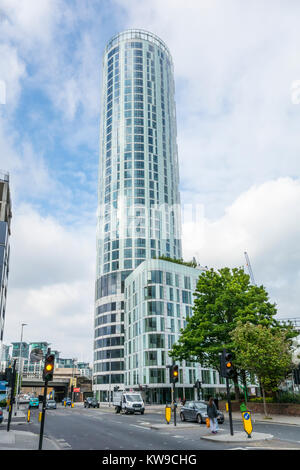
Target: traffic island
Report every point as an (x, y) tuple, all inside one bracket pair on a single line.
[(238, 437)]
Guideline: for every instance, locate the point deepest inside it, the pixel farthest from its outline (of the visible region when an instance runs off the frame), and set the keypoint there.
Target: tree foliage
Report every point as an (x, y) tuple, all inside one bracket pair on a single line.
[(223, 299), (263, 351)]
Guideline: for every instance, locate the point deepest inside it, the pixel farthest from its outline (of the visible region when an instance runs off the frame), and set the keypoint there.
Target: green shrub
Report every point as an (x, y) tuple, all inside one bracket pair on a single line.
[(283, 397), (260, 400), (3, 404), (288, 397)]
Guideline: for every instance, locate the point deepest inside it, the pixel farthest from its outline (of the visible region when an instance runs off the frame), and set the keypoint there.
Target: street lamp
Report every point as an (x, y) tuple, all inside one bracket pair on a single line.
[(20, 368)]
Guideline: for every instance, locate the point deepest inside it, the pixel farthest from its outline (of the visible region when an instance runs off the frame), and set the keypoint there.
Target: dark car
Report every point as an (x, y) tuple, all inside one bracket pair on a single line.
[(90, 401), (1, 415), (67, 400), (197, 411)]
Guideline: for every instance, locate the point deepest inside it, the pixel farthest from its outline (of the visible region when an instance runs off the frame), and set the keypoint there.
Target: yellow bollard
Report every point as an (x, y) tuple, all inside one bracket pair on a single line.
[(65, 403), (72, 405), (28, 416), (168, 413), (246, 415)]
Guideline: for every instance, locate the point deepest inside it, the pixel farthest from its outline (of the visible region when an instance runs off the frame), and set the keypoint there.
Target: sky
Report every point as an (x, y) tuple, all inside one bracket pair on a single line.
[(237, 82)]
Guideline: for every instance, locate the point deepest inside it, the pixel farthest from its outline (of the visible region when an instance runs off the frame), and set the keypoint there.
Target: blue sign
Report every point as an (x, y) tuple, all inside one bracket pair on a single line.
[(246, 416), (3, 384)]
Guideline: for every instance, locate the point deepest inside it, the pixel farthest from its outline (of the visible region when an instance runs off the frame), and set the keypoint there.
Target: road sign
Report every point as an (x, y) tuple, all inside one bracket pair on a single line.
[(76, 390), (3, 385), (36, 355), (247, 422)]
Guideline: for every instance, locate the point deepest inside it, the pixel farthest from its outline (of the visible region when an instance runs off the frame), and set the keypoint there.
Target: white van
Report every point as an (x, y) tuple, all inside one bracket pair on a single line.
[(128, 402)]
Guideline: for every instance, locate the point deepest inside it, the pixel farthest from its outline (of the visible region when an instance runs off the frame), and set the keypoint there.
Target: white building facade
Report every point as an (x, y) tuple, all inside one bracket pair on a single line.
[(159, 300)]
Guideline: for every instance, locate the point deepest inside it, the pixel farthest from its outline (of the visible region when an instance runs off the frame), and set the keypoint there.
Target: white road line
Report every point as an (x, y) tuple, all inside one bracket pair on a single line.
[(137, 426)]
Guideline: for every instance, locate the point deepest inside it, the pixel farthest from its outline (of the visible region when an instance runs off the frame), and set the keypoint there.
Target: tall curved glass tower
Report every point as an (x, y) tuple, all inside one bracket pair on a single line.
[(138, 196)]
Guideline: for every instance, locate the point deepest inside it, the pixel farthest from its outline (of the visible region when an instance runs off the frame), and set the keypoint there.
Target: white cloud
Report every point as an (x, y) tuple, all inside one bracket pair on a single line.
[(67, 70), (51, 283), (12, 71), (238, 136), (264, 221), (29, 22), (234, 65)]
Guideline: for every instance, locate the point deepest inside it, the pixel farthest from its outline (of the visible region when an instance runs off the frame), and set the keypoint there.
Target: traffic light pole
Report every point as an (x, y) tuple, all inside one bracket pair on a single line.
[(229, 406), (174, 404), (43, 415)]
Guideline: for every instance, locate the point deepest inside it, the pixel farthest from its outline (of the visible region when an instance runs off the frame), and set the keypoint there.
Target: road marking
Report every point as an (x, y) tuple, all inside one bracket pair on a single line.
[(63, 443), (238, 448), (137, 426)]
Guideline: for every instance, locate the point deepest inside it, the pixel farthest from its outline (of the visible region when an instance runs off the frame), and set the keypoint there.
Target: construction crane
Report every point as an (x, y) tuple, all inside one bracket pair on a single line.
[(296, 320), (249, 268)]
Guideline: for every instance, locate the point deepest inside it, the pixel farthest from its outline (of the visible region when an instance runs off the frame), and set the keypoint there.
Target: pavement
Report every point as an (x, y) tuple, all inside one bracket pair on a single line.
[(23, 439)]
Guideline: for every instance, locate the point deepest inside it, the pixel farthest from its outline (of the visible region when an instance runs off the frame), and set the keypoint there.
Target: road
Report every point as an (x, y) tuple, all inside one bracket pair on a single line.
[(101, 429)]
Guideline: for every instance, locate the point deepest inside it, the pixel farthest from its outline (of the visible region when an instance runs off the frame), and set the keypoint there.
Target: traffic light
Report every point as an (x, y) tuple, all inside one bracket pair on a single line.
[(49, 367), (226, 365), (198, 384), (174, 374), (8, 376)]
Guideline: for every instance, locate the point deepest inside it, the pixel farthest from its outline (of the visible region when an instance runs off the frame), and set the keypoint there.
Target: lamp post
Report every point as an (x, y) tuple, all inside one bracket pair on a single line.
[(20, 368)]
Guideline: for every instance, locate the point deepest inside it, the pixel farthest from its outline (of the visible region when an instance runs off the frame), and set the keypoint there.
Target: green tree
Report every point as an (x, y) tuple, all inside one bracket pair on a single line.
[(222, 299), (265, 352)]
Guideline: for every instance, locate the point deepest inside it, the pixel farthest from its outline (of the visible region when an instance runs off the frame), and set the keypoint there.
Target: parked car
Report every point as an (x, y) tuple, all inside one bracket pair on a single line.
[(197, 411), (34, 402), (90, 401), (51, 404), (67, 400), (1, 415)]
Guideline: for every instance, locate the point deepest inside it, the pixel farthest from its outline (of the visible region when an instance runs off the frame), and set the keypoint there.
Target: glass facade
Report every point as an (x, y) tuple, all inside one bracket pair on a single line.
[(139, 202), (158, 302), (155, 315), (5, 222)]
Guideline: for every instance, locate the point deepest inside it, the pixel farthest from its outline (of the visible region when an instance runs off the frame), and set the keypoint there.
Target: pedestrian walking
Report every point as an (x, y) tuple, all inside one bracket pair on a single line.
[(212, 413)]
